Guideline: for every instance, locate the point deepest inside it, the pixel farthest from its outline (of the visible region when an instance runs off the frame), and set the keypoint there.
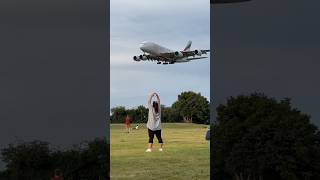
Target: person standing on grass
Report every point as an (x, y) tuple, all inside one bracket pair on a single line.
[(127, 122), (154, 121)]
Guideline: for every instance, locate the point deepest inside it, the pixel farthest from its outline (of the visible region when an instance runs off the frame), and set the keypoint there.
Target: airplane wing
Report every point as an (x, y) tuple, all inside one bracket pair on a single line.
[(183, 54), (194, 52), (205, 51), (169, 55), (150, 57), (193, 58), (173, 57)]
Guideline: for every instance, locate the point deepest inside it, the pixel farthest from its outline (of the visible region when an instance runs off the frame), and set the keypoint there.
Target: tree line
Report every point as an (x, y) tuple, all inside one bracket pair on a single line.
[(37, 160), (189, 107), (255, 137), (259, 138)]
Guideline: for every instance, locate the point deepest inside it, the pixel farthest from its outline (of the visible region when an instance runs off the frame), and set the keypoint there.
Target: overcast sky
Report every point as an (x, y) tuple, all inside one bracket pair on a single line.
[(268, 46), (52, 71), (168, 23)]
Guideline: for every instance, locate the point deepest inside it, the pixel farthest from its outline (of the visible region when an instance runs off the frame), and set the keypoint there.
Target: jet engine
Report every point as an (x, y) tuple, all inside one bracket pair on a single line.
[(178, 54), (198, 52), (143, 57), (136, 58)]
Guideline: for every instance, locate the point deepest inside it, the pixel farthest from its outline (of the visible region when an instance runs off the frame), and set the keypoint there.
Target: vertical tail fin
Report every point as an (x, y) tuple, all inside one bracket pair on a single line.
[(187, 48)]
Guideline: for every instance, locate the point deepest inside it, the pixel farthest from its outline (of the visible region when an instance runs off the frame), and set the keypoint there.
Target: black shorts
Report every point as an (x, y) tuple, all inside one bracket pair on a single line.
[(152, 133)]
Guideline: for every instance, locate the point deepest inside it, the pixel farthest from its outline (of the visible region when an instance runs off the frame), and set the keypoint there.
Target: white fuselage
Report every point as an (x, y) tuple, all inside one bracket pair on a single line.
[(153, 51), (153, 48)]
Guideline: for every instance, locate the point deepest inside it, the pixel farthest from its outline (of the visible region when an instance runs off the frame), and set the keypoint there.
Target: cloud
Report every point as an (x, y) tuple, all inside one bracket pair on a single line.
[(270, 47), (169, 23), (166, 22)]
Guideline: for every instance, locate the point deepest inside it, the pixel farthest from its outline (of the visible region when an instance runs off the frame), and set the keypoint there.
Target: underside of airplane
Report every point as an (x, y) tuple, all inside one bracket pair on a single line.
[(162, 55)]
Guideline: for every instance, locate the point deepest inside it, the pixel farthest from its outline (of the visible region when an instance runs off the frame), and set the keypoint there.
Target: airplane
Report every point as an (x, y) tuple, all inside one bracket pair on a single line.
[(154, 52)]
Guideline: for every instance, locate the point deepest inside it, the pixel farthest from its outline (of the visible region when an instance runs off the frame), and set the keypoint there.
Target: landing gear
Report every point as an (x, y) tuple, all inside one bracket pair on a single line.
[(165, 63), (171, 62), (158, 62)]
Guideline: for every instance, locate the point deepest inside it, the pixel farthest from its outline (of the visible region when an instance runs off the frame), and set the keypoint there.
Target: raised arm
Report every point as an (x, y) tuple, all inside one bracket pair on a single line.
[(150, 98), (158, 98)]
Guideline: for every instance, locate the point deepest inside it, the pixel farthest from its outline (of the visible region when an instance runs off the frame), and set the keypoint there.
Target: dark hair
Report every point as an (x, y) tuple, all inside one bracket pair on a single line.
[(155, 105)]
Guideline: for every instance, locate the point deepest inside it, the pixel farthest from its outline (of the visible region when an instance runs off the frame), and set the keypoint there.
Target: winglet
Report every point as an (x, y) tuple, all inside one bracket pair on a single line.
[(187, 48)]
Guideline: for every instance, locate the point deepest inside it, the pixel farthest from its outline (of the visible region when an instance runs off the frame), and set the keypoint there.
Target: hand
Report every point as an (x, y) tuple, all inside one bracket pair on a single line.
[(158, 97), (150, 97)]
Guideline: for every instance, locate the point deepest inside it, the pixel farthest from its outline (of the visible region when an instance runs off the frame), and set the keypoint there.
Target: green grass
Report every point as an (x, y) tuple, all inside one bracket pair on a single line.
[(186, 154)]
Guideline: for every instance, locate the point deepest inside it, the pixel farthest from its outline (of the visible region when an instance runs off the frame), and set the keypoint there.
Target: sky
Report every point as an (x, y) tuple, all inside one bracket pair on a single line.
[(53, 59), (270, 47), (53, 83), (170, 24)]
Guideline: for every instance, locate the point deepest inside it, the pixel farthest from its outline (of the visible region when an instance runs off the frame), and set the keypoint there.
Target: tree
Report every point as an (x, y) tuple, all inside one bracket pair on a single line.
[(169, 114), (133, 114), (35, 161), (141, 114), (257, 137), (192, 107), (87, 161), (30, 161), (137, 115), (118, 114)]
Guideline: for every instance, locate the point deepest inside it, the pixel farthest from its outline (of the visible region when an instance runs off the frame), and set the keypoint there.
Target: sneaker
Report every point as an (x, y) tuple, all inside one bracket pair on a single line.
[(148, 150), (160, 149)]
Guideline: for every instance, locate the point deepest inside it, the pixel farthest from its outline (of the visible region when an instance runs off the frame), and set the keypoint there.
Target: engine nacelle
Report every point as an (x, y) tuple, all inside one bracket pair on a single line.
[(178, 54), (136, 58), (143, 57), (198, 52)]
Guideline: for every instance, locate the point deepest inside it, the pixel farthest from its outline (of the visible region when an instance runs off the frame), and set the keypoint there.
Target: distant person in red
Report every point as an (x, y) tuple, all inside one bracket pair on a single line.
[(57, 175), (127, 122)]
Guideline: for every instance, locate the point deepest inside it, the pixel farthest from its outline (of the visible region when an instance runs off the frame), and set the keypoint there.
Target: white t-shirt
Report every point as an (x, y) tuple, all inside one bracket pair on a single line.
[(154, 119)]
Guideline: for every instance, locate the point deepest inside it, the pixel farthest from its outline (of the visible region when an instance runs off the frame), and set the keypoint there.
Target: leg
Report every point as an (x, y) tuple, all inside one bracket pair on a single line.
[(151, 136), (158, 135)]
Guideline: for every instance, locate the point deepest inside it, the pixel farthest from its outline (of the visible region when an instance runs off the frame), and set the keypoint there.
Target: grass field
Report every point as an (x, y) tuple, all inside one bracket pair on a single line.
[(186, 154)]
